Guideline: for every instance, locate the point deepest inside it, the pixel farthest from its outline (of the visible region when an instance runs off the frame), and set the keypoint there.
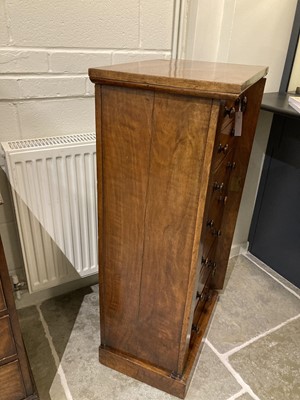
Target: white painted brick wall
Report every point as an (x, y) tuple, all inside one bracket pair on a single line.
[(124, 56), (156, 29), (4, 38), (77, 62), (9, 125), (56, 117), (9, 88), (23, 61), (46, 48), (52, 86), (85, 24)]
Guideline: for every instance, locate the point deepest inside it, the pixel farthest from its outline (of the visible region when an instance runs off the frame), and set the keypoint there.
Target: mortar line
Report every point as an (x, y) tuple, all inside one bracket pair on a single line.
[(37, 75), (238, 394), (260, 336), (40, 99), (233, 372), (60, 370), (15, 105), (139, 28), (268, 273), (84, 50), (8, 24)]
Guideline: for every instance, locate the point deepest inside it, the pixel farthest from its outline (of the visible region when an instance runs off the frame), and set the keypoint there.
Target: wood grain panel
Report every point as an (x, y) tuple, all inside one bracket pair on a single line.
[(126, 139), (177, 153), (12, 387), (154, 149), (7, 344), (202, 78), (2, 300)]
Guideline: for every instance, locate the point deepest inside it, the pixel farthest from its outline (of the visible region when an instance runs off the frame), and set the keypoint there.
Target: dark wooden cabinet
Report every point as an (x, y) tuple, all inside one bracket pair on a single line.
[(171, 162), (16, 382)]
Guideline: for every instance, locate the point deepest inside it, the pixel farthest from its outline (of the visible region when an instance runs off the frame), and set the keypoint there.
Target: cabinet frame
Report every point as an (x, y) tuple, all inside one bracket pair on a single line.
[(118, 122)]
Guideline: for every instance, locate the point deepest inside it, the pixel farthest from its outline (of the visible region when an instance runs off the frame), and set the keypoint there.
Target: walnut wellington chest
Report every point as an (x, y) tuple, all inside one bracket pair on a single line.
[(173, 145)]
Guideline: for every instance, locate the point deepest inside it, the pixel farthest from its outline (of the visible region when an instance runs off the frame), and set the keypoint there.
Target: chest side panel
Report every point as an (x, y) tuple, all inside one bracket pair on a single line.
[(153, 151)]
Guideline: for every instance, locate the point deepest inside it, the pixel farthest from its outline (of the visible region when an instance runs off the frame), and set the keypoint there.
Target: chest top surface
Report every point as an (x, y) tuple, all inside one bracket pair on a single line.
[(198, 77)]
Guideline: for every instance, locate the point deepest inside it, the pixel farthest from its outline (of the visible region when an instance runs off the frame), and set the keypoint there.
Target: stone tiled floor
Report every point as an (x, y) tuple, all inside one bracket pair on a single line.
[(252, 350)]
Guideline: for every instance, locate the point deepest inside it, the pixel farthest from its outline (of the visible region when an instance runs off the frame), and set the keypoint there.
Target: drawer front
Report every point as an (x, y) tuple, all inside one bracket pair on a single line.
[(11, 382), (225, 140), (207, 269), (7, 343), (198, 311), (219, 188), (224, 144), (2, 299), (228, 113), (218, 199)]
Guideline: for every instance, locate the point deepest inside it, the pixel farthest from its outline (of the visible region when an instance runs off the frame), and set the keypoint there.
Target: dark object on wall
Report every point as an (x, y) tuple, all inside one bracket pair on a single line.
[(275, 230), (290, 58), (172, 156), (275, 234)]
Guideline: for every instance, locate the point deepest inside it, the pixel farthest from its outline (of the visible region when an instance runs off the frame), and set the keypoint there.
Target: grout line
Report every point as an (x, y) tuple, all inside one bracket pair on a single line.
[(238, 394), (255, 338), (268, 273), (60, 370), (223, 358)]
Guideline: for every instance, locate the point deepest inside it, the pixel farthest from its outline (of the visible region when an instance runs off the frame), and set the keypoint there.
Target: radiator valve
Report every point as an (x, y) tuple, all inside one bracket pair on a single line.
[(18, 286)]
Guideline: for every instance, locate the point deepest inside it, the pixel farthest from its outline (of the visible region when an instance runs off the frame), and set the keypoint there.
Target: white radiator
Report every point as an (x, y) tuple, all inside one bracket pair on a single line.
[(54, 192)]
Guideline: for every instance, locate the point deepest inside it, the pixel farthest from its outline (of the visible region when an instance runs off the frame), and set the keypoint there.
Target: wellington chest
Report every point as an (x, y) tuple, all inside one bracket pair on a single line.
[(173, 145)]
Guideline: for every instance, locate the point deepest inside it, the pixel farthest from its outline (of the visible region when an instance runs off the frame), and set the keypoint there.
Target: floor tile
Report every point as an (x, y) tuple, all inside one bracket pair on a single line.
[(271, 365), (89, 380), (60, 314), (86, 377), (273, 273), (252, 303), (245, 396), (40, 355), (211, 380)]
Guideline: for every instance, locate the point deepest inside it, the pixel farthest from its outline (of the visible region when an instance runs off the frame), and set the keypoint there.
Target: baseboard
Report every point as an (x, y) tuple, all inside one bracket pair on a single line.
[(159, 378), (32, 299), (237, 249)]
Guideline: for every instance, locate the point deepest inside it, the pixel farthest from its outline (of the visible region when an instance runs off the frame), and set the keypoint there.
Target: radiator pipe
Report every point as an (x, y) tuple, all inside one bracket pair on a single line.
[(17, 286)]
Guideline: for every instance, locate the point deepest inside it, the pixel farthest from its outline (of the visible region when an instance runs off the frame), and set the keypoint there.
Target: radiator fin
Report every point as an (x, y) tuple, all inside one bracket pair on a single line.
[(50, 141), (54, 191)]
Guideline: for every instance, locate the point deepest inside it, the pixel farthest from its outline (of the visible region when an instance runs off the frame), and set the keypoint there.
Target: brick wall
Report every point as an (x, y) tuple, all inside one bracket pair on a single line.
[(46, 48)]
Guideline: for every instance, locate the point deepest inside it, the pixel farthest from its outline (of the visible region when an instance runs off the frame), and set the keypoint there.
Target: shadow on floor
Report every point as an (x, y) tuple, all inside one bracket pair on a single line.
[(60, 314)]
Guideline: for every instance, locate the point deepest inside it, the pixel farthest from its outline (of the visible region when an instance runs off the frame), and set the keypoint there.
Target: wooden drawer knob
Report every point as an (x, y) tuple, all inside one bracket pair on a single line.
[(223, 199), (218, 186), (223, 148), (229, 111), (210, 223), (231, 165), (216, 232), (195, 328)]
